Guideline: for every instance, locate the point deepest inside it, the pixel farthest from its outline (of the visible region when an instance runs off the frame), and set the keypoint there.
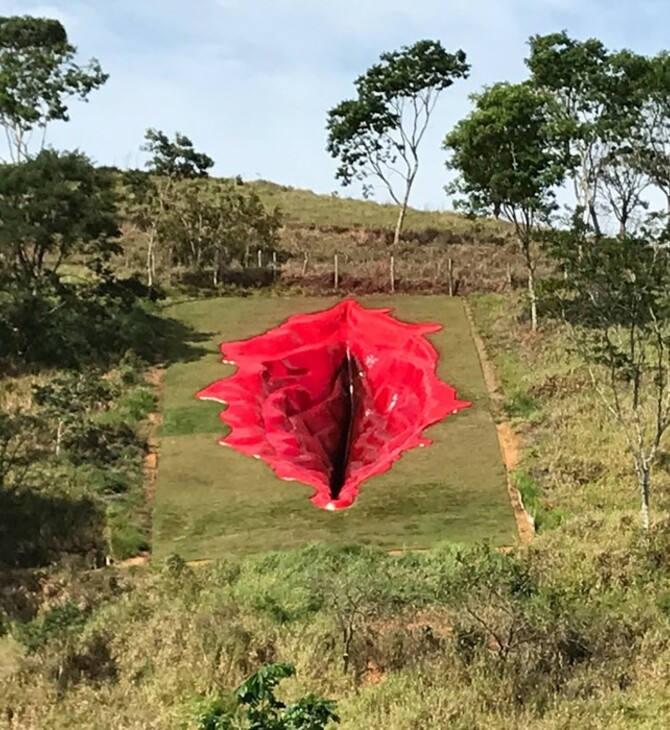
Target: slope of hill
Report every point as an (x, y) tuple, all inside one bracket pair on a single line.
[(306, 209)]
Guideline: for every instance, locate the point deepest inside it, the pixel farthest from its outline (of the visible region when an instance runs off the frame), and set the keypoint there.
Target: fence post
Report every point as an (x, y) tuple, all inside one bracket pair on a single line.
[(392, 273), (260, 259), (246, 257), (450, 276), (509, 275), (304, 264), (274, 265), (337, 272)]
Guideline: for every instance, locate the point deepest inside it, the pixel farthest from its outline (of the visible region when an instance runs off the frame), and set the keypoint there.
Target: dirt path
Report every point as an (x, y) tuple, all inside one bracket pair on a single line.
[(510, 446), (154, 378)]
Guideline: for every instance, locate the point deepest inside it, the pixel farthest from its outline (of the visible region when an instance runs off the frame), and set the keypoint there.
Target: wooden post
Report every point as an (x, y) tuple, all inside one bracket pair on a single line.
[(260, 259), (274, 264), (450, 276), (392, 273), (304, 264), (337, 272), (509, 275)]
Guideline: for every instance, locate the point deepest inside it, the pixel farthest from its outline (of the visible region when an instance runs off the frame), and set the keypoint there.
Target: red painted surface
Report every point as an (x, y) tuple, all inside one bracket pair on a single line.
[(333, 398)]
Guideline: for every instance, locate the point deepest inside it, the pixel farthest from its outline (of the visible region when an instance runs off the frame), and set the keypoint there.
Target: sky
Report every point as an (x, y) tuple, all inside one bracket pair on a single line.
[(251, 81)]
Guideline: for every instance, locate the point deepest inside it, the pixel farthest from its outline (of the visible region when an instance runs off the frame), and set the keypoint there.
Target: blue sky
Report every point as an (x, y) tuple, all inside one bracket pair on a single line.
[(250, 81)]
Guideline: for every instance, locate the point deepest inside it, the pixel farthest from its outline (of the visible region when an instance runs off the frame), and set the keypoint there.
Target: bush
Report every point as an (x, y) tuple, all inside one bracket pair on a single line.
[(255, 707)]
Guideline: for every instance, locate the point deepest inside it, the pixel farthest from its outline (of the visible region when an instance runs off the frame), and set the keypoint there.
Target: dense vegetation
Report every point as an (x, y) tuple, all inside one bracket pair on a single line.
[(570, 631)]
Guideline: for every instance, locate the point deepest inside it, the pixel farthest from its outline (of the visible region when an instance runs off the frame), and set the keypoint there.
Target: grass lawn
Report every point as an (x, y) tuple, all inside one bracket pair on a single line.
[(212, 501)]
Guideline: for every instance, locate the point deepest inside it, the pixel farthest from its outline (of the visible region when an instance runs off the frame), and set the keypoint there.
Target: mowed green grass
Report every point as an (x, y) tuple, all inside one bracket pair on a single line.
[(212, 501)]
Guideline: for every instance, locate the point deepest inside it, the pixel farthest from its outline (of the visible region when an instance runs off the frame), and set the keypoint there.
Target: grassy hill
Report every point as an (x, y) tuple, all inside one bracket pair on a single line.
[(306, 209), (570, 631)]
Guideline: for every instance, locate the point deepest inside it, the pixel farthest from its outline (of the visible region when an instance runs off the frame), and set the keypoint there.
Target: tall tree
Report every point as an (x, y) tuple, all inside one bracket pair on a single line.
[(508, 163), (651, 143), (597, 103), (615, 300), (149, 197), (176, 159), (378, 133), (50, 206), (38, 75)]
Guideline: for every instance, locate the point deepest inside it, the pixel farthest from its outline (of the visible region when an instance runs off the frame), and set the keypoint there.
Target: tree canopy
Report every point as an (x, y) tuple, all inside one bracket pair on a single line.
[(51, 205), (508, 162), (378, 133), (38, 75)]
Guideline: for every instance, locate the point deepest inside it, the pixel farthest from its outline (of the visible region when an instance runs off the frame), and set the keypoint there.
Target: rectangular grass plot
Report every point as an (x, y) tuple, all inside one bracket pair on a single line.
[(213, 501)]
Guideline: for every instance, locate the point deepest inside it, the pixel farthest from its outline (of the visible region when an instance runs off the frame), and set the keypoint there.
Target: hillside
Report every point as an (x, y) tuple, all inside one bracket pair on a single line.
[(102, 622), (438, 252), (306, 209)]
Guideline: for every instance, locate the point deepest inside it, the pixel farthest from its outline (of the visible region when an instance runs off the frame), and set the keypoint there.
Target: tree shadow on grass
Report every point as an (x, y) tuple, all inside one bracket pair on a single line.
[(38, 529), (175, 341)]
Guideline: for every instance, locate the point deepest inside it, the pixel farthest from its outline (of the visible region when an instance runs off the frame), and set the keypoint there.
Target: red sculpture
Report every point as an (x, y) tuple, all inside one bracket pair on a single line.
[(333, 398)]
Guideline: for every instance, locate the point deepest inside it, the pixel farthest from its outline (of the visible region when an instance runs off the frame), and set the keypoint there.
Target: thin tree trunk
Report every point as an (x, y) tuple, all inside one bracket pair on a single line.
[(59, 436), (399, 223), (532, 294), (644, 479), (150, 260), (403, 212)]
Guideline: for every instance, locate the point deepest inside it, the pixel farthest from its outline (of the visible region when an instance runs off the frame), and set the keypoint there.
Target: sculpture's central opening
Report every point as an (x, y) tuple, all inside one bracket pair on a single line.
[(345, 384), (332, 398)]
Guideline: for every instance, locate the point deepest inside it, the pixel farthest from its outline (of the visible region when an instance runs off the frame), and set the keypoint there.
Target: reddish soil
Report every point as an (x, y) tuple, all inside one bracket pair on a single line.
[(510, 446)]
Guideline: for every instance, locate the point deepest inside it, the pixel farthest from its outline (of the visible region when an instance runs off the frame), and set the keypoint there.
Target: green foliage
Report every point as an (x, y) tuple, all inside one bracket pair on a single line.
[(139, 403), (529, 490), (505, 154), (214, 226), (90, 324), (614, 297), (38, 74), (71, 396), (259, 708), (509, 161), (361, 130), (387, 120), (131, 368), (127, 540), (21, 444), (177, 159), (598, 100), (51, 207), (521, 405), (58, 623)]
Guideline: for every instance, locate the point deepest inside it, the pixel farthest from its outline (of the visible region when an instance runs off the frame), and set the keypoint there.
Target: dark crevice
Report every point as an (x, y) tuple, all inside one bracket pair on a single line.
[(346, 374)]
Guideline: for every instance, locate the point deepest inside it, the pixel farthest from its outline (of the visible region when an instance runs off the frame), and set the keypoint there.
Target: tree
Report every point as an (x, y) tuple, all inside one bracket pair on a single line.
[(69, 397), (37, 76), (211, 226), (624, 181), (651, 143), (150, 197), (508, 162), (177, 159), (51, 206), (615, 299), (384, 125), (597, 99)]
